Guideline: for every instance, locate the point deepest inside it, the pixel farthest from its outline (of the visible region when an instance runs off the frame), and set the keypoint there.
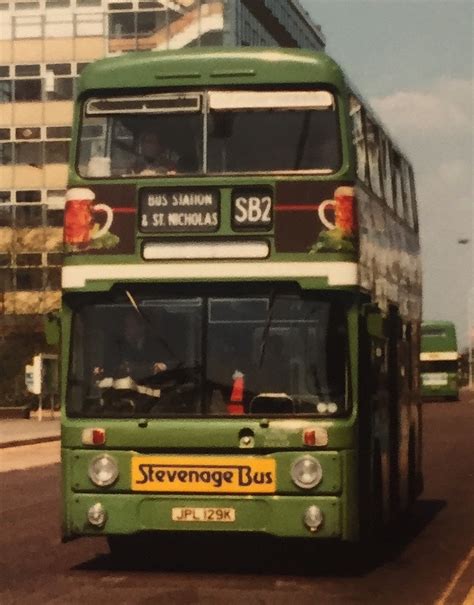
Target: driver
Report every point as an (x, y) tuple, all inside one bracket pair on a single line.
[(135, 353), (154, 158)]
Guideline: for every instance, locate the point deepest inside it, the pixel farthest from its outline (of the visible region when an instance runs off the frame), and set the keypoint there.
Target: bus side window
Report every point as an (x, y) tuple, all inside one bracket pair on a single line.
[(373, 149), (408, 196), (413, 198), (358, 138), (387, 173), (397, 185)]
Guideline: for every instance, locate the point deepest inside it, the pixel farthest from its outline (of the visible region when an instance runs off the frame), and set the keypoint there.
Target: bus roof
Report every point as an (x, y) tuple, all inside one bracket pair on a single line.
[(438, 336), (203, 67), (194, 67)]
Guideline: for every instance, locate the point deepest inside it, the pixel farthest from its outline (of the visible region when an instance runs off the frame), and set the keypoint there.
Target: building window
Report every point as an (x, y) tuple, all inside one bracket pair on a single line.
[(22, 5), (5, 91), (56, 152), (61, 90), (5, 209), (59, 25), (29, 279), (59, 69), (28, 26), (58, 132), (28, 90), (52, 279), (54, 218), (28, 196), (140, 29), (5, 260), (6, 154), (6, 280), (122, 25), (27, 70), (57, 3), (80, 67), (55, 259), (55, 198), (28, 260), (89, 24), (5, 84), (6, 29), (27, 133), (28, 215), (29, 154)]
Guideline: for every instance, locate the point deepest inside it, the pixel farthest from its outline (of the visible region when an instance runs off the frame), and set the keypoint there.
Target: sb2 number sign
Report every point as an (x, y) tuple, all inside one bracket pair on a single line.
[(252, 210)]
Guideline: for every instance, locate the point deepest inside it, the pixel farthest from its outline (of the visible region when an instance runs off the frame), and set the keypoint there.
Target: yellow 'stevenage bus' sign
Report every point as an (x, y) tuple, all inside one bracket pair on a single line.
[(203, 474)]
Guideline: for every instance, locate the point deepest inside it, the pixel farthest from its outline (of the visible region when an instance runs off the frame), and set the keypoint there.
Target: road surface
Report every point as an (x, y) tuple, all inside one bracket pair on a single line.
[(430, 560)]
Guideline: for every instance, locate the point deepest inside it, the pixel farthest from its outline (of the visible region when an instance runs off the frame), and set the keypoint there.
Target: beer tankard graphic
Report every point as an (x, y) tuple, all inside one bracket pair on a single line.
[(343, 210), (78, 217)]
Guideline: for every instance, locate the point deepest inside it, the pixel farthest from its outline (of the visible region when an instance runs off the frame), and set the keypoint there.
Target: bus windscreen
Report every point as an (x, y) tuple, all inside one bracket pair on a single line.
[(209, 356)]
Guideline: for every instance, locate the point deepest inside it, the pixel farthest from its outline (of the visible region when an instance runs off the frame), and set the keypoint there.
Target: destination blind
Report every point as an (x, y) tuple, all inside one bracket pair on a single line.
[(179, 210)]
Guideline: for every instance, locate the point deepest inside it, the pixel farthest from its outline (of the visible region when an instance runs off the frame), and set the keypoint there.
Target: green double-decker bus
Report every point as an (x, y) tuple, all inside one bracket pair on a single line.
[(439, 360), (241, 302)]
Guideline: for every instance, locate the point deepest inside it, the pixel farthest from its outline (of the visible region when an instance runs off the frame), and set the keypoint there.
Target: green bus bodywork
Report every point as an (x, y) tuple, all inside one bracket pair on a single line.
[(439, 360), (371, 458)]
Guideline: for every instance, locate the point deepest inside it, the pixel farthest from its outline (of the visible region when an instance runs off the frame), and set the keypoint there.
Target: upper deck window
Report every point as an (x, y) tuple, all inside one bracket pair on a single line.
[(438, 332), (141, 135), (218, 132), (146, 104), (286, 131)]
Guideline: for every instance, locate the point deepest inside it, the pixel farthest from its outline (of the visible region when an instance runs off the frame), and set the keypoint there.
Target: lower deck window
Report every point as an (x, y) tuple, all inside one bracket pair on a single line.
[(209, 356)]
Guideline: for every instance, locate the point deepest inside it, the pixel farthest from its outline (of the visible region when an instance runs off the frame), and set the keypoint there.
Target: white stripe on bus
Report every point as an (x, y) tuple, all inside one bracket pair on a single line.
[(337, 273), (439, 356)]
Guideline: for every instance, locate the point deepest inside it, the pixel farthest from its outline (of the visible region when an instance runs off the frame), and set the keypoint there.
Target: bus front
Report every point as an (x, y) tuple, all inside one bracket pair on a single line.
[(439, 361), (210, 299)]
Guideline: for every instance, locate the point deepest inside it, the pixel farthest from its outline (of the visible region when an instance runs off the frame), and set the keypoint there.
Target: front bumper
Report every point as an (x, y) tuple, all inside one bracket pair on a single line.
[(273, 515)]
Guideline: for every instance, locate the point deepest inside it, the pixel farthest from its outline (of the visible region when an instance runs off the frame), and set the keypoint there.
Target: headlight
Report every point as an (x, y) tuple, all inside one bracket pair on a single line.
[(306, 472), (103, 470)]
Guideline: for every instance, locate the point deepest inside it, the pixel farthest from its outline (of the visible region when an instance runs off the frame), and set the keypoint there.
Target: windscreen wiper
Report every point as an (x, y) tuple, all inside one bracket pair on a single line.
[(266, 329), (150, 323)]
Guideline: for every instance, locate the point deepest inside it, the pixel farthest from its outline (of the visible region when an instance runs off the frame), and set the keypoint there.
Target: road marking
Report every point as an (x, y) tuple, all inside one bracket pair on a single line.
[(454, 580), (23, 457), (469, 600)]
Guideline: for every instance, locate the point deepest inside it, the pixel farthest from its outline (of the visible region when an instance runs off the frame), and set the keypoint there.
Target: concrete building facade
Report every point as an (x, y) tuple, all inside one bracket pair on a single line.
[(44, 46)]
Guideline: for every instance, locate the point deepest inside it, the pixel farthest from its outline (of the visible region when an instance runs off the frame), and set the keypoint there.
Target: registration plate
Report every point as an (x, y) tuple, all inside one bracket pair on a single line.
[(212, 515), (434, 380)]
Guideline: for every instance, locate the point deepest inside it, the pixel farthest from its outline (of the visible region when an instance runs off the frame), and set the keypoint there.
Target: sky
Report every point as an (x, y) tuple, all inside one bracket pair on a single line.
[(412, 60)]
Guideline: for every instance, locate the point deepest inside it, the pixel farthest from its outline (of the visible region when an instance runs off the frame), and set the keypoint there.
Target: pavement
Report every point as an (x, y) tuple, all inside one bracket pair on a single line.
[(22, 431)]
